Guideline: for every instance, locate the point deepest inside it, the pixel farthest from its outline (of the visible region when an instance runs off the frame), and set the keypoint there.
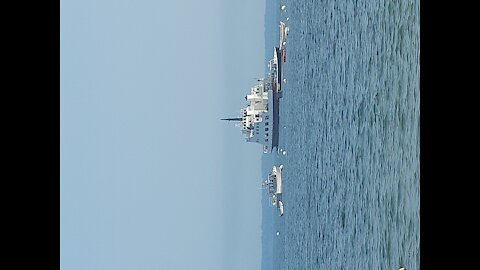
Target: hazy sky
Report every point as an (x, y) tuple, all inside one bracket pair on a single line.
[(150, 177)]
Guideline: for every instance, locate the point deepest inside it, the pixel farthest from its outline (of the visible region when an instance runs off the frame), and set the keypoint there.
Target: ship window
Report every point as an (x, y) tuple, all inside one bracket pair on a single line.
[(266, 140), (266, 129), (266, 134), (266, 123), (266, 117)]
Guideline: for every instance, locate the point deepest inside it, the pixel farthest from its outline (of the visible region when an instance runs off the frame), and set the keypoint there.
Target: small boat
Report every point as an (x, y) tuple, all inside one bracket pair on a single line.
[(273, 186), (283, 37), (280, 207)]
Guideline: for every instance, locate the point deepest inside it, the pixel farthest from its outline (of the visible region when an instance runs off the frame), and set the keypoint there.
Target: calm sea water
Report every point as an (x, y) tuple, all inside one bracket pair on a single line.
[(351, 130)]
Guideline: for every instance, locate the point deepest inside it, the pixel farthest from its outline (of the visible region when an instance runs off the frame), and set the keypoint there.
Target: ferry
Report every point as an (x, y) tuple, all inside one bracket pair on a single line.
[(259, 119)]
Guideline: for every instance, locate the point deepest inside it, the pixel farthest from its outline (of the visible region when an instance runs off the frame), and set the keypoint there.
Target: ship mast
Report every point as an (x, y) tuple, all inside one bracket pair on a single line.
[(232, 119)]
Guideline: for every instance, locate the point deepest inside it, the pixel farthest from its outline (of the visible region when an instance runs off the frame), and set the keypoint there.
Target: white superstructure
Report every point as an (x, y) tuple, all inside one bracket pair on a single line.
[(274, 188), (256, 121)]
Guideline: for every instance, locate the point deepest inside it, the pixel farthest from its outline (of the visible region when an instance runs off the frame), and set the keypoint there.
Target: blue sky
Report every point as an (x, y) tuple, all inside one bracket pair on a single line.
[(150, 178)]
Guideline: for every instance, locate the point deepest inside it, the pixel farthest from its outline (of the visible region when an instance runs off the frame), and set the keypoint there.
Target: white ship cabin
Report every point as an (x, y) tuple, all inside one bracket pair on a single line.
[(252, 114), (261, 131), (255, 118), (271, 188), (272, 64)]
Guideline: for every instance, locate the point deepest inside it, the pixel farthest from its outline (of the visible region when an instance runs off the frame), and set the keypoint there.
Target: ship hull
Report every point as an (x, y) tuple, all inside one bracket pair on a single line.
[(276, 95), (276, 118), (279, 74)]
